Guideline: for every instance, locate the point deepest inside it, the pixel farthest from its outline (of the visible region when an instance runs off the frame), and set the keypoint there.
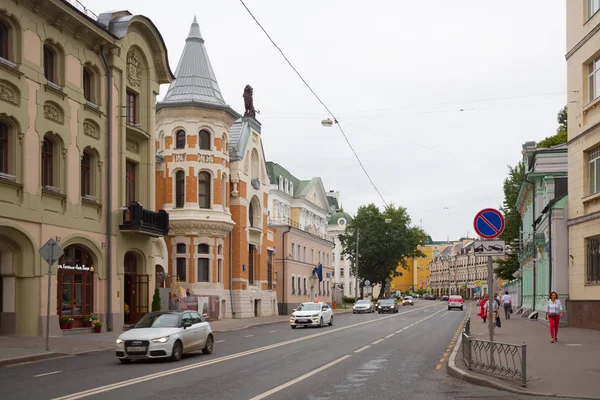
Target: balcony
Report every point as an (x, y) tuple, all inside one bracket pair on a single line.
[(137, 219)]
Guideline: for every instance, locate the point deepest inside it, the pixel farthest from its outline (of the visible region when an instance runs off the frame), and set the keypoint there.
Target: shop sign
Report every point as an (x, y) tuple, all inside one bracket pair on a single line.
[(76, 267)]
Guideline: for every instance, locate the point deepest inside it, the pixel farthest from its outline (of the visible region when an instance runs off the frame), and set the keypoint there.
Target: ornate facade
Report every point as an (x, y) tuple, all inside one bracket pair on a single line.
[(212, 180), (77, 93)]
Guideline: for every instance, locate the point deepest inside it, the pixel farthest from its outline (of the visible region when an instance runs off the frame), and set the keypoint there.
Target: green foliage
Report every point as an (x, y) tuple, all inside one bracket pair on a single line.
[(348, 300), (156, 301), (507, 267), (561, 135), (382, 246)]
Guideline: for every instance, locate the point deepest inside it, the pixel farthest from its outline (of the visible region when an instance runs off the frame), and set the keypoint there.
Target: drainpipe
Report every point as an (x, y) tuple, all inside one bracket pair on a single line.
[(284, 278), (550, 249), (109, 206), (231, 272), (534, 225)]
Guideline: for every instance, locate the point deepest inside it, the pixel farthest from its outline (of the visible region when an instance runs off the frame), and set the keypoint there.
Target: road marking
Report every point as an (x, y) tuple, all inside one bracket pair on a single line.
[(390, 335), (445, 354), (574, 344), (403, 319), (133, 381), (272, 331), (438, 367), (362, 348), (378, 341), (219, 341), (442, 360), (248, 335), (300, 378), (47, 373)]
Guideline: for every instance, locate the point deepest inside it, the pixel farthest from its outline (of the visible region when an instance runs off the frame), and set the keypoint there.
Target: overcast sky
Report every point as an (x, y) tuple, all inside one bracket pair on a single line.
[(396, 73)]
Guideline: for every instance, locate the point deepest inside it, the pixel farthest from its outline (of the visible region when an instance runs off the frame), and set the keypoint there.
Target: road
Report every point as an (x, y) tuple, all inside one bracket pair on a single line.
[(391, 356)]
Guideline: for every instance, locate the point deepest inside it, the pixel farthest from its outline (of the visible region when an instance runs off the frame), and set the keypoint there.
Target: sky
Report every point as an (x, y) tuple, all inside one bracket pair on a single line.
[(436, 97)]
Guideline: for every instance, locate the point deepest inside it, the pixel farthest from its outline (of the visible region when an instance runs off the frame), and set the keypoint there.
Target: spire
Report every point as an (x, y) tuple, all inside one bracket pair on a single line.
[(195, 81)]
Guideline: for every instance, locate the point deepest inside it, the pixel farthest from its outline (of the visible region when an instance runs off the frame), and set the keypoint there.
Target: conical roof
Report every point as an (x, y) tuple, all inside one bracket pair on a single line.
[(195, 81)]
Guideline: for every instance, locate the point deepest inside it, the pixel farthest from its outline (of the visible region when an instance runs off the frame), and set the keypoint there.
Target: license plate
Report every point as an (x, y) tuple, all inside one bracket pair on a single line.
[(304, 320), (136, 349)]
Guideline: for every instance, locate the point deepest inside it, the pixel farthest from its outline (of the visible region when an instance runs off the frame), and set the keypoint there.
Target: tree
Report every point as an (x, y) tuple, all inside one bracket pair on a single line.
[(561, 135), (156, 306), (382, 245), (512, 219)]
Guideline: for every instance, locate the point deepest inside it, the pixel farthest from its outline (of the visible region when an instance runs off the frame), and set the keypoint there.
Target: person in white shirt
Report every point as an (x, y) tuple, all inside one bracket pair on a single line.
[(494, 311), (554, 312), (506, 303)]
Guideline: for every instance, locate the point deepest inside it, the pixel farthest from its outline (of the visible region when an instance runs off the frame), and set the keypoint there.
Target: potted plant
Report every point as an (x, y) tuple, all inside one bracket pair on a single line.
[(70, 324), (97, 326), (87, 321), (64, 322)]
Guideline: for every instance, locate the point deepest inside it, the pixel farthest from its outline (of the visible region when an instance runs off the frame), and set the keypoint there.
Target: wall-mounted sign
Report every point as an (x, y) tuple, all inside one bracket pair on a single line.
[(76, 267)]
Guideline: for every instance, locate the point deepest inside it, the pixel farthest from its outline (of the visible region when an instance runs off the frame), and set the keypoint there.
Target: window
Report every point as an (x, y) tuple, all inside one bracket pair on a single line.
[(203, 270), (87, 85), (224, 190), (269, 270), (299, 291), (291, 188), (300, 254), (251, 215), (203, 248), (285, 186), (4, 144), (47, 163), (594, 170), (281, 183), (86, 177), (181, 248), (593, 261), (50, 64), (204, 189), (4, 52), (224, 144), (179, 189), (293, 251), (131, 107), (180, 140), (251, 253), (593, 7), (220, 271), (294, 285), (204, 140), (305, 292), (130, 176), (254, 163), (181, 269)]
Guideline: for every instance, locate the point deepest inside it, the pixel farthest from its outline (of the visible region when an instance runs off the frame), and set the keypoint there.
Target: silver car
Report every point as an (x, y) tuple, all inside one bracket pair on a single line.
[(363, 306)]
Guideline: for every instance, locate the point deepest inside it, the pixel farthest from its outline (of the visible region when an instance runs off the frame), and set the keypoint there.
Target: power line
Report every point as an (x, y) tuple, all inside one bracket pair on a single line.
[(319, 99)]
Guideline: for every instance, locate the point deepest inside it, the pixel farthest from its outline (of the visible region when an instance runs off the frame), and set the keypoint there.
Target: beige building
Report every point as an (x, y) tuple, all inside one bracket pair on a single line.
[(77, 95), (583, 83)]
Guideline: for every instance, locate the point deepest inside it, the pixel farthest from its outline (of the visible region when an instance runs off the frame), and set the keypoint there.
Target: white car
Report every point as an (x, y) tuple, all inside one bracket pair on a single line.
[(165, 334), (312, 314)]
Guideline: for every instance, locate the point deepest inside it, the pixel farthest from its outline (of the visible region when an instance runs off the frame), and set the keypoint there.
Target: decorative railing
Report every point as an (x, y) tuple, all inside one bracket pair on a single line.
[(81, 8), (137, 218), (495, 358)]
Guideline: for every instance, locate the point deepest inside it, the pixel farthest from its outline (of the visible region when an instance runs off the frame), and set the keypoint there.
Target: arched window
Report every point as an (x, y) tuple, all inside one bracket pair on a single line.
[(204, 189), (4, 145), (204, 140), (291, 188), (285, 186), (251, 215), (179, 189), (254, 162), (224, 190), (224, 144), (88, 85), (180, 140), (86, 174), (4, 43), (281, 183), (47, 163)]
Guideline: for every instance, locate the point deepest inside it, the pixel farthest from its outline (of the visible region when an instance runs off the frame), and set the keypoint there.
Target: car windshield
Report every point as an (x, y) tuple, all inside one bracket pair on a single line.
[(363, 302), (158, 321), (386, 302), (408, 298), (308, 307), (455, 298)]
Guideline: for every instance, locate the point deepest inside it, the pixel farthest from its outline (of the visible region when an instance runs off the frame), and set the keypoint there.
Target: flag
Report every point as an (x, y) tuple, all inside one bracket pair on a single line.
[(318, 270)]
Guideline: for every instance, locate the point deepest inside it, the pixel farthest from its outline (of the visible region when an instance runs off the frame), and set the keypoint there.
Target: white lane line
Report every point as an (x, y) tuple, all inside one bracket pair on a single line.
[(378, 341), (403, 319), (300, 378), (219, 341), (248, 335), (134, 381), (47, 373), (390, 335), (272, 331), (362, 348)]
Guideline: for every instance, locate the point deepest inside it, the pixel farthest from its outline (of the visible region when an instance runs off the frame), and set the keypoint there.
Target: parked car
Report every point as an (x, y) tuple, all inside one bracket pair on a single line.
[(165, 334), (311, 314), (445, 298), (455, 302), (387, 305), (363, 306), (408, 301)]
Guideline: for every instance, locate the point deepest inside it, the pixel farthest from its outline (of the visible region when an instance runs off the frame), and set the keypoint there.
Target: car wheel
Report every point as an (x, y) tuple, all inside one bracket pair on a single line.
[(461, 308), (125, 360), (208, 348), (331, 321), (293, 326), (448, 308), (177, 351), (321, 323)]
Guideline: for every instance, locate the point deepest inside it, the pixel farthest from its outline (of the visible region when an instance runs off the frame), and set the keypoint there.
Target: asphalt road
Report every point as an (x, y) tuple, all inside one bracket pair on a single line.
[(391, 356)]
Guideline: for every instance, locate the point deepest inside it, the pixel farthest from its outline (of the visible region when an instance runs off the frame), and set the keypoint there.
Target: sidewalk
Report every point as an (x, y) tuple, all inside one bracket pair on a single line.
[(20, 349), (570, 367)]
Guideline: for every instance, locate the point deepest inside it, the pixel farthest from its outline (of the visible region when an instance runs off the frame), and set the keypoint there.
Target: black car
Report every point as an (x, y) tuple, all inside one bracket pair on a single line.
[(387, 305)]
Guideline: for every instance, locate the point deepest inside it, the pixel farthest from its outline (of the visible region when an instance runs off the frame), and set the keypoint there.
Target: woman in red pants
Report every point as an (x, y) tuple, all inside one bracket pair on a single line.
[(482, 313), (554, 312)]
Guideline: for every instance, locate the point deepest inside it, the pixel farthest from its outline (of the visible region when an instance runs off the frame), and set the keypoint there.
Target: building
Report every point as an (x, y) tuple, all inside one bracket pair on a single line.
[(543, 256), (211, 178), (299, 212), (583, 72), (339, 220), (418, 274), (76, 98), (457, 270)]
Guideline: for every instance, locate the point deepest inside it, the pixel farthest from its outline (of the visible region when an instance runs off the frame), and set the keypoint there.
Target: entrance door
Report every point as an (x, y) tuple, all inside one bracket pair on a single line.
[(251, 265), (135, 291), (141, 299)]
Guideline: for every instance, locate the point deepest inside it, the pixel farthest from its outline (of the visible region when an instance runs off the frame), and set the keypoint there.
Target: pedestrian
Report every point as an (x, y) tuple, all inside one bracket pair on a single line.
[(172, 302), (482, 313), (497, 299), (495, 319), (554, 312), (507, 304)]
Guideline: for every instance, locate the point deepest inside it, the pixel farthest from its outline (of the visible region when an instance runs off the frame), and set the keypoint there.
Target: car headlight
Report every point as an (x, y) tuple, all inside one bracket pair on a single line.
[(161, 339), (119, 340)]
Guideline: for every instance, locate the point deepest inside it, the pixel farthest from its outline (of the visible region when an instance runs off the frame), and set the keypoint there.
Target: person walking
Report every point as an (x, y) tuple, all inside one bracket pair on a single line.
[(506, 303), (554, 312), (494, 316), (482, 313)]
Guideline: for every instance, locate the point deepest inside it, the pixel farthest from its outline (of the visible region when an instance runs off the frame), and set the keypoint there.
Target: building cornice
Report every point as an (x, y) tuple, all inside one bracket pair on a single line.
[(198, 228), (584, 218), (582, 41)]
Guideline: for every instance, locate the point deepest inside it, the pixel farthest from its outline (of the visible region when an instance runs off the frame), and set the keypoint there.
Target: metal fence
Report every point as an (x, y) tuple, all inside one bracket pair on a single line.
[(495, 358)]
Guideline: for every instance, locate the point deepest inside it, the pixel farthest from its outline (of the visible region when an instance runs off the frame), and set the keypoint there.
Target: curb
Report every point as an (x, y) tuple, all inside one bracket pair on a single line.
[(466, 376), (34, 357)]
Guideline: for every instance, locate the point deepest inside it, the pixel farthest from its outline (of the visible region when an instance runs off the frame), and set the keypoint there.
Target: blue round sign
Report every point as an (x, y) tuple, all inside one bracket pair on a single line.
[(489, 223)]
